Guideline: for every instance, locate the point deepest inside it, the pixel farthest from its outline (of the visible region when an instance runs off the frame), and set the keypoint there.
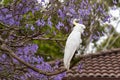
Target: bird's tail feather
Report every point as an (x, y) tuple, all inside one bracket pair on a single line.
[(67, 57)]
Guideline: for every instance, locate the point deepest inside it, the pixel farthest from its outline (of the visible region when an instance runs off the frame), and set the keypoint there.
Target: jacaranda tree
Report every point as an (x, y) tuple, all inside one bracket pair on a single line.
[(26, 25)]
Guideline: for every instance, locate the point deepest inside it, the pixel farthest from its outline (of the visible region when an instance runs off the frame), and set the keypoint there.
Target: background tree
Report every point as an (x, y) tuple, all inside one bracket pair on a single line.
[(31, 34)]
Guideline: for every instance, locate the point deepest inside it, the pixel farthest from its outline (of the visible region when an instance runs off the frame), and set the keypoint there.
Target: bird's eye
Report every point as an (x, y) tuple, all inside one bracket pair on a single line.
[(77, 21)]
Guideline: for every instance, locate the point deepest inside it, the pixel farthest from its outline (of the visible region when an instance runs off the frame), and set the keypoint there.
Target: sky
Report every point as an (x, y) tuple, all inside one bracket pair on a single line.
[(115, 13)]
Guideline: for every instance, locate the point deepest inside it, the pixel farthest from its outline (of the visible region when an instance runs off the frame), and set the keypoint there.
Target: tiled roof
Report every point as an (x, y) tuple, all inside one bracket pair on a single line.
[(102, 64)]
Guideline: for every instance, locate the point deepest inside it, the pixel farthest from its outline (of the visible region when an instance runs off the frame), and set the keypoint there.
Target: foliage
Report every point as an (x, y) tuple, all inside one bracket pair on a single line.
[(113, 40), (26, 28)]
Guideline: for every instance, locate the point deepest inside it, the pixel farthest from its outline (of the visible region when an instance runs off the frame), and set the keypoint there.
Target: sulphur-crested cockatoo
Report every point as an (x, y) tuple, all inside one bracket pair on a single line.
[(73, 43)]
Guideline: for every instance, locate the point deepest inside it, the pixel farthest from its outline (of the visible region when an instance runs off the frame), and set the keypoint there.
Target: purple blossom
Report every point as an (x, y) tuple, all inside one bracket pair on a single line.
[(25, 10), (17, 23), (10, 21), (43, 22), (42, 0), (98, 34), (80, 67), (59, 25), (24, 1), (34, 60), (64, 8), (81, 22), (95, 37), (4, 56), (26, 50), (60, 76), (49, 22), (34, 48), (103, 33), (80, 11), (107, 18), (18, 17), (83, 4), (94, 5), (4, 10), (8, 16), (61, 14), (1, 16), (27, 26), (26, 58), (11, 37), (20, 5), (15, 61), (27, 75), (19, 51), (45, 67), (22, 77), (32, 28), (114, 8), (56, 64), (33, 11), (99, 9), (114, 1), (72, 11), (40, 22), (37, 59)]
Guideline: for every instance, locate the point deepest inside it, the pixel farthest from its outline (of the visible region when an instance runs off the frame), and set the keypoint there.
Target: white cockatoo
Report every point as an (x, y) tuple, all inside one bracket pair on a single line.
[(73, 43)]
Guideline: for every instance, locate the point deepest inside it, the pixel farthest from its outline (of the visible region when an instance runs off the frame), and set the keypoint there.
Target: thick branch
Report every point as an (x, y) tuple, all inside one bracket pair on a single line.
[(4, 47), (27, 39)]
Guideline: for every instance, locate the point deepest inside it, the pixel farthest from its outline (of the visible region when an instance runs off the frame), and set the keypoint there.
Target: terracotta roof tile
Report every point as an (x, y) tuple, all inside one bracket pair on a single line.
[(102, 64)]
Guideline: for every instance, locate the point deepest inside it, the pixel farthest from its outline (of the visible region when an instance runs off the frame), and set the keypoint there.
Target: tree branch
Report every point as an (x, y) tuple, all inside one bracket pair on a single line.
[(114, 41), (110, 37), (52, 39), (5, 48)]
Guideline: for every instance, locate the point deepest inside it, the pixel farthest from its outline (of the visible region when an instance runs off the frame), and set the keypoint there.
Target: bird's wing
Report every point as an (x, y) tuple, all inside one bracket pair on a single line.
[(68, 56), (71, 46)]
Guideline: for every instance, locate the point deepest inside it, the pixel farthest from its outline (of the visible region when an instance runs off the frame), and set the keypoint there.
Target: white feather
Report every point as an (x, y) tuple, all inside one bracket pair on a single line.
[(72, 44)]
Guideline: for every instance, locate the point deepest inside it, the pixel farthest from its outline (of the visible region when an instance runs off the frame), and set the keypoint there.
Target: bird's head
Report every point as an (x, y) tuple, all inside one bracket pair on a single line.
[(75, 22), (78, 26)]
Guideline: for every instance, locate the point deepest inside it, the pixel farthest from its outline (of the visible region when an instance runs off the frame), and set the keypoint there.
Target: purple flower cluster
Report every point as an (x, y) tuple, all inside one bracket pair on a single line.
[(30, 18), (49, 22), (27, 54), (60, 24), (14, 14), (61, 14), (40, 22), (114, 1), (59, 76)]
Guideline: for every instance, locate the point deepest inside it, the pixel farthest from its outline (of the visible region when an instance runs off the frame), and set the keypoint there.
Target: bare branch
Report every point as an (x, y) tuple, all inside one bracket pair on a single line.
[(114, 41), (110, 37)]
